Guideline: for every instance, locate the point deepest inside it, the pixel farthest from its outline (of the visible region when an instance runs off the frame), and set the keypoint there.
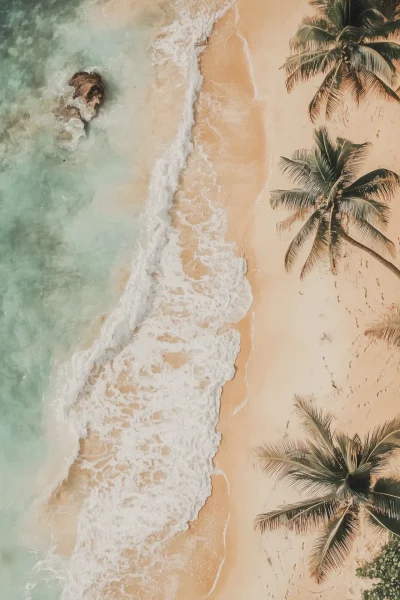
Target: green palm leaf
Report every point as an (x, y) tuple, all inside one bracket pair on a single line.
[(334, 98), (388, 329), (365, 209), (340, 470), (333, 202), (380, 184), (346, 40), (375, 84), (293, 199), (300, 239), (374, 237), (322, 93), (287, 223), (389, 50), (368, 59), (334, 545), (303, 516), (383, 440), (383, 522), (284, 459), (385, 497), (351, 159), (305, 65), (297, 169), (316, 423), (313, 32), (349, 449), (389, 28), (353, 83), (320, 248)]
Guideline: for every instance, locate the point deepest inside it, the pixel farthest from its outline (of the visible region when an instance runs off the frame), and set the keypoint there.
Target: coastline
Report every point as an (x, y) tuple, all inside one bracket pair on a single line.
[(298, 337), (127, 409)]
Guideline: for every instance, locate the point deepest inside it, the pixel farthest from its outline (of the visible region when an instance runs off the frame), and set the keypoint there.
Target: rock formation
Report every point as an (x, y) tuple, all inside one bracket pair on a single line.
[(73, 112), (88, 94)]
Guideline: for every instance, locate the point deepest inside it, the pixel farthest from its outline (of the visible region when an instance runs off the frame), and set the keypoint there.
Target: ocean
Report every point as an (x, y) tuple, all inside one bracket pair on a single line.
[(114, 350)]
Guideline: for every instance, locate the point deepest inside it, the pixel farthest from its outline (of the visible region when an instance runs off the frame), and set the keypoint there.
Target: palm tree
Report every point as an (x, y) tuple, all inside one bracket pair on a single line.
[(388, 329), (389, 8), (343, 41), (342, 477), (333, 201)]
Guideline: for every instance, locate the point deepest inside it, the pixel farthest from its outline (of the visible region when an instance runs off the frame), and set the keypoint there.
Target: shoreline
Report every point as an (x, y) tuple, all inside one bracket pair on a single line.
[(308, 336), (297, 337), (94, 464)]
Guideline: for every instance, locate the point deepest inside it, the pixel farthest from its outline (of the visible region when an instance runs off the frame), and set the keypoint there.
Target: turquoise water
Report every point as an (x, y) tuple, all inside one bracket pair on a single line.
[(61, 229)]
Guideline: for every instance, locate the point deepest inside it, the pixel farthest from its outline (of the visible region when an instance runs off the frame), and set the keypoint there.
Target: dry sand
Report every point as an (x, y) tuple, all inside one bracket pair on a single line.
[(299, 337)]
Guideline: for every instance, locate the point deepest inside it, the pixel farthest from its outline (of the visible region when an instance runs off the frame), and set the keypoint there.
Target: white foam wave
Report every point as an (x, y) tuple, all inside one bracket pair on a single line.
[(150, 387)]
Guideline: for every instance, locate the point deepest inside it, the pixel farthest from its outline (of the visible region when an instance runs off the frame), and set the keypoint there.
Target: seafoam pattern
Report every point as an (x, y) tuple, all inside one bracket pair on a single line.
[(149, 390)]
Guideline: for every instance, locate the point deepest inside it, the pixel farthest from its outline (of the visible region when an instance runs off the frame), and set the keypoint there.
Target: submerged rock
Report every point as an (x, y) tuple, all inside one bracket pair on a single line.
[(74, 112), (88, 94)]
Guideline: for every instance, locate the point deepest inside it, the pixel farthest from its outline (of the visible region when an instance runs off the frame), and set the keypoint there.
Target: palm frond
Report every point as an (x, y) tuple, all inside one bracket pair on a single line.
[(383, 440), (303, 66), (385, 497), (314, 32), (320, 248), (334, 98), (293, 199), (297, 169), (374, 17), (389, 50), (303, 516), (316, 422), (376, 85), (380, 184), (311, 483), (287, 223), (300, 239), (283, 459), (375, 238), (322, 94), (383, 522), (389, 28), (368, 59), (388, 329), (349, 449), (334, 545), (353, 84), (365, 209), (327, 148), (322, 171), (352, 157)]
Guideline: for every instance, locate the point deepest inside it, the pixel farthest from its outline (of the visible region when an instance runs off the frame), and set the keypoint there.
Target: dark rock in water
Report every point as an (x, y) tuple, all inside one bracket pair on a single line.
[(73, 112), (89, 93)]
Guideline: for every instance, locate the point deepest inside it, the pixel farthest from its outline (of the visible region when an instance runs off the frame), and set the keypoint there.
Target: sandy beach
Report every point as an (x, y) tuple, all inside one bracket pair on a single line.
[(298, 337)]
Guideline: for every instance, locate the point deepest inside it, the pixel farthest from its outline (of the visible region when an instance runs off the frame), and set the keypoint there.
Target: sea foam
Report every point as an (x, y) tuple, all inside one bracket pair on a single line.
[(149, 389)]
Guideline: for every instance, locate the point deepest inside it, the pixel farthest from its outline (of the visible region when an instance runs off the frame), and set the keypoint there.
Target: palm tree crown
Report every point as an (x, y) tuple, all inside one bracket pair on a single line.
[(341, 476), (332, 201), (344, 42)]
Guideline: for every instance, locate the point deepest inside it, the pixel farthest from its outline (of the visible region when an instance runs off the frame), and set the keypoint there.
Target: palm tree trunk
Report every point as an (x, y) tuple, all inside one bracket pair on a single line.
[(372, 253)]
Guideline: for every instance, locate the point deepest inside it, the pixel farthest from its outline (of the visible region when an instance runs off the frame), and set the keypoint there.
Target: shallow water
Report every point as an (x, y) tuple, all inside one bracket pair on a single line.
[(65, 223), (138, 397)]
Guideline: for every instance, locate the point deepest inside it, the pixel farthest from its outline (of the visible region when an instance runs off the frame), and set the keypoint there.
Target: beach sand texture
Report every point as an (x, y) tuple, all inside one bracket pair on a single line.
[(298, 337)]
